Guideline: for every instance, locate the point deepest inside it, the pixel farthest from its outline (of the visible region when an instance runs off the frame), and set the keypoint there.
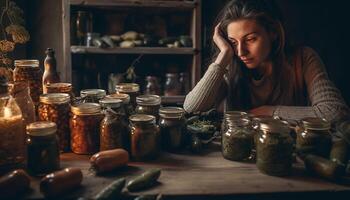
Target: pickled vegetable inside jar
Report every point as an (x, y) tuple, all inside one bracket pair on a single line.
[(148, 104), (42, 148), (55, 107), (132, 89), (172, 125), (238, 139), (85, 128), (144, 137), (314, 137), (92, 95), (28, 70), (274, 148)]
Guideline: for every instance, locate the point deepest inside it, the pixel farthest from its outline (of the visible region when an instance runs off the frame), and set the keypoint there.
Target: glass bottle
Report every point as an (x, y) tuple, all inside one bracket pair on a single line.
[(85, 128), (148, 104), (83, 25), (274, 148), (132, 89), (29, 71), (172, 123), (172, 85), (92, 95), (12, 132), (55, 107), (144, 137), (238, 138), (50, 74), (314, 137), (20, 91), (152, 85), (42, 148)]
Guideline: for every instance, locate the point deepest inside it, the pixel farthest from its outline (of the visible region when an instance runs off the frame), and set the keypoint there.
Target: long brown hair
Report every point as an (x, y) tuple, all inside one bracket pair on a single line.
[(267, 14)]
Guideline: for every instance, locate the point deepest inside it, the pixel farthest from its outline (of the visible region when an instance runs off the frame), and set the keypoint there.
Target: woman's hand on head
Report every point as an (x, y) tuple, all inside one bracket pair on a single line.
[(226, 52)]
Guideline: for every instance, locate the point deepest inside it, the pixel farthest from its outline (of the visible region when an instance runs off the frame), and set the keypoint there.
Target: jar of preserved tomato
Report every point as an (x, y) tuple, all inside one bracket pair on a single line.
[(172, 123), (85, 128), (144, 137), (42, 148), (152, 85), (148, 104), (29, 70), (55, 107)]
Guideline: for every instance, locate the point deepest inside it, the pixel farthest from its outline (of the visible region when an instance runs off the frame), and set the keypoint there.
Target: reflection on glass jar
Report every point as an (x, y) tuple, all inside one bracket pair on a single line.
[(132, 89), (60, 88), (314, 137), (144, 137), (238, 137), (274, 148), (20, 91), (29, 71), (148, 104), (85, 128), (42, 148), (92, 95), (172, 85), (152, 85), (172, 125), (90, 37), (55, 107)]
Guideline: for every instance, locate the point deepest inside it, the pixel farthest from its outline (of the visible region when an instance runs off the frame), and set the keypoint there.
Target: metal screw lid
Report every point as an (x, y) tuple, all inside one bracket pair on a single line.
[(41, 128), (148, 100), (86, 109), (55, 98), (171, 112), (127, 87)]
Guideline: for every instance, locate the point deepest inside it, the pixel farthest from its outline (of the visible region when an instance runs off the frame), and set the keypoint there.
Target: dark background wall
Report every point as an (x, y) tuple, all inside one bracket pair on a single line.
[(319, 24)]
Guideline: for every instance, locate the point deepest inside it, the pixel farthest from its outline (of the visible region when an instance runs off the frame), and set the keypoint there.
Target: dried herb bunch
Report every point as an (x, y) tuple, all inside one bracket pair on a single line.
[(12, 31)]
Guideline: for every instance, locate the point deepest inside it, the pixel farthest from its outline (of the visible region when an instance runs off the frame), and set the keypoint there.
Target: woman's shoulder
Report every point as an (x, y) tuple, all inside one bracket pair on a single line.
[(308, 54)]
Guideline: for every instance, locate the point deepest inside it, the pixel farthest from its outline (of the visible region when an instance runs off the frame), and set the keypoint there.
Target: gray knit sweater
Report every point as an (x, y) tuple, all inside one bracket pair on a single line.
[(324, 98)]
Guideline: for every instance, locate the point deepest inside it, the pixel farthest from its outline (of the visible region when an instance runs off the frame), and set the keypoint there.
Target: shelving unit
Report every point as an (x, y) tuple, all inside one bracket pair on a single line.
[(190, 6)]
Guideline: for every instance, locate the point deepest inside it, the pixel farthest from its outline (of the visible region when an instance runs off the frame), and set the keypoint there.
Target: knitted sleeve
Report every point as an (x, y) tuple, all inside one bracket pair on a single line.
[(326, 100), (208, 92)]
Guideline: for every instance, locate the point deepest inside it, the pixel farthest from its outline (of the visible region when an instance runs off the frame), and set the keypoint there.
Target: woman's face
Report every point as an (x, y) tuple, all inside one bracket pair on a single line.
[(251, 42)]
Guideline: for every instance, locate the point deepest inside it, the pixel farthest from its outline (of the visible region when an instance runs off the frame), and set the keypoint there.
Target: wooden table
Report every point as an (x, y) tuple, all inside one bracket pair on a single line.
[(205, 176)]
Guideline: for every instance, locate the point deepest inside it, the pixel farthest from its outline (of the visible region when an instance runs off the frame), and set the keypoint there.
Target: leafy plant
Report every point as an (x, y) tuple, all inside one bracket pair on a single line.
[(12, 31)]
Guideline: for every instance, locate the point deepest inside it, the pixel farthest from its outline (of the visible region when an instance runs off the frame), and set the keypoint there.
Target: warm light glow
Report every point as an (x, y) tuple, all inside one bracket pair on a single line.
[(7, 112)]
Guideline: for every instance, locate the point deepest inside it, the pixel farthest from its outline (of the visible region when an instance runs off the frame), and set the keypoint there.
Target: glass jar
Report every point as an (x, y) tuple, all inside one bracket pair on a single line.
[(238, 139), (127, 107), (85, 128), (12, 130), (42, 148), (172, 85), (28, 70), (152, 85), (92, 95), (61, 88), (185, 83), (274, 148), (90, 37), (55, 107), (148, 104), (19, 90), (224, 126), (132, 89), (83, 25), (314, 136), (144, 137), (172, 125)]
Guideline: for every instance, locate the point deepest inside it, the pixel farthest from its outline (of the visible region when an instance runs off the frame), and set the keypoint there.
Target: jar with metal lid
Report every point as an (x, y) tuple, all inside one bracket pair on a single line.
[(114, 131), (172, 85), (42, 148), (144, 137), (152, 85), (274, 148), (28, 70), (132, 89), (92, 95), (60, 88), (90, 38), (85, 128), (127, 107), (55, 107), (238, 139), (172, 123), (148, 104), (314, 136)]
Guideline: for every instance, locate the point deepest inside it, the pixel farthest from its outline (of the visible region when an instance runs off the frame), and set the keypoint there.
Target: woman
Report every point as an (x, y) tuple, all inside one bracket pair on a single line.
[(254, 69)]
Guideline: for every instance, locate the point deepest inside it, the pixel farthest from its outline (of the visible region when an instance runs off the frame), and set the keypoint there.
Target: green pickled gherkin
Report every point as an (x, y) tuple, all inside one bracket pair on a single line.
[(323, 167), (339, 152), (145, 180)]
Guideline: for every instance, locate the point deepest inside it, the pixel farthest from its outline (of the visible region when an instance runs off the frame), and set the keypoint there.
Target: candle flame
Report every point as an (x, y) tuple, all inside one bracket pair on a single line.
[(7, 112)]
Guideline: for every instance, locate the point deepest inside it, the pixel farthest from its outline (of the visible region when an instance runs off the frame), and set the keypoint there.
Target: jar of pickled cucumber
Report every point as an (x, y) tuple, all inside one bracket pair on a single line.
[(148, 104)]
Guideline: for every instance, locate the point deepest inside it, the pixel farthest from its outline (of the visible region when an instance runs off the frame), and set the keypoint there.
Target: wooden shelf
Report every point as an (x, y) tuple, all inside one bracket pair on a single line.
[(133, 50), (136, 3)]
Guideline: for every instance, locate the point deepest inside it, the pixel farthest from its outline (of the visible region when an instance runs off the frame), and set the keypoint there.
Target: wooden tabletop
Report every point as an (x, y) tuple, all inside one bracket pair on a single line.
[(204, 176)]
